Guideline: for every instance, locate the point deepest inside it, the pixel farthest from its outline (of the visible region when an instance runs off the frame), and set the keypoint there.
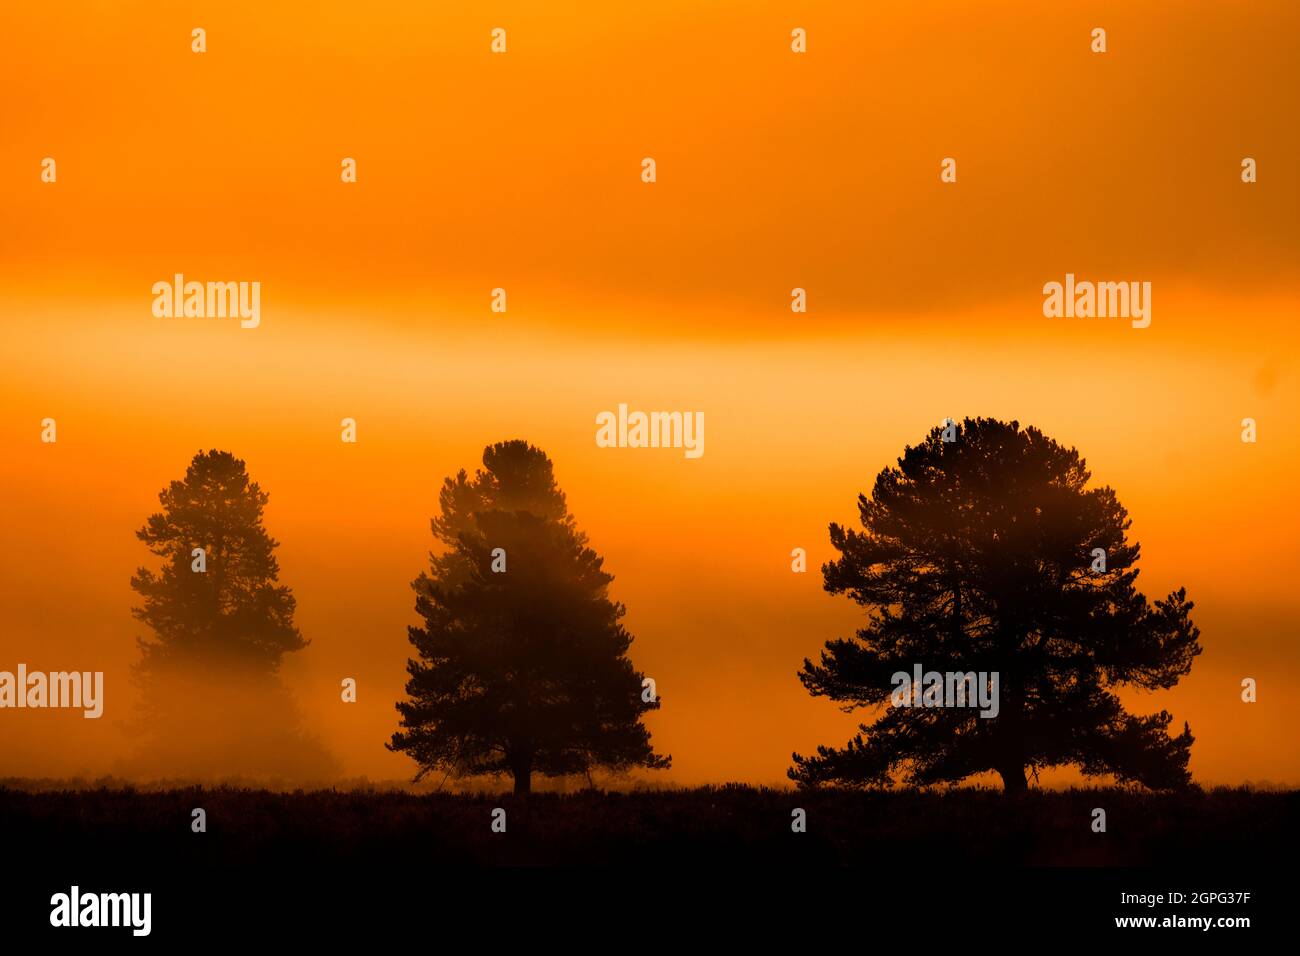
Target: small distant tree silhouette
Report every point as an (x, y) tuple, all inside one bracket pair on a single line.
[(235, 613), (211, 702), (522, 670), (977, 554)]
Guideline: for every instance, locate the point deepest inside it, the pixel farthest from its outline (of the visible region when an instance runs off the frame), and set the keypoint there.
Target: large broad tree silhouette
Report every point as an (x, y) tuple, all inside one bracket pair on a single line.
[(522, 664), (987, 552)]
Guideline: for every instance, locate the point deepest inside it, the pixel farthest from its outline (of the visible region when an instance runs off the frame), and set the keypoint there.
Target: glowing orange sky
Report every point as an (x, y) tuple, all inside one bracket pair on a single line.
[(522, 171)]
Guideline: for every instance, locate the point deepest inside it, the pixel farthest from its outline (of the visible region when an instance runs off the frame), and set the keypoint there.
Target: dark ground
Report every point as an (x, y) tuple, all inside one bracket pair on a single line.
[(714, 865), (727, 825)]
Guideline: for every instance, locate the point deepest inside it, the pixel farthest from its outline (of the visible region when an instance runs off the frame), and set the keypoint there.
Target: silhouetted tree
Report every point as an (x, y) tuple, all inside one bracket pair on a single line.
[(234, 612), (978, 555), (522, 670), (211, 702)]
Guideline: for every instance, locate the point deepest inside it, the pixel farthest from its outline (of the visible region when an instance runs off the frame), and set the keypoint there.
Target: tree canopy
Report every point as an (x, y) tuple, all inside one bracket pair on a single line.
[(984, 551), (225, 605), (522, 663)]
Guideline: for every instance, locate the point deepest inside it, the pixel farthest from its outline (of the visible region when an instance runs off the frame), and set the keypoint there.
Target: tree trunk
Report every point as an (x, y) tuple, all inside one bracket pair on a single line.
[(1013, 778), (1010, 753), (523, 779)]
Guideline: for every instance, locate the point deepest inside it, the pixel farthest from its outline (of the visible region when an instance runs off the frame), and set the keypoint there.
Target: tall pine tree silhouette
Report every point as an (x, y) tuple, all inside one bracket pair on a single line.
[(522, 664), (233, 612), (988, 553), (212, 704)]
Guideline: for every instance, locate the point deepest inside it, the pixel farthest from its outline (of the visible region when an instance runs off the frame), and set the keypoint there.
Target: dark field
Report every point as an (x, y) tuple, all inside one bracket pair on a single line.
[(712, 826)]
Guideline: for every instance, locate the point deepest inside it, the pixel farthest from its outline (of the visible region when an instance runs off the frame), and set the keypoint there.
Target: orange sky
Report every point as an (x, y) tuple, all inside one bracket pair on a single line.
[(521, 170)]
